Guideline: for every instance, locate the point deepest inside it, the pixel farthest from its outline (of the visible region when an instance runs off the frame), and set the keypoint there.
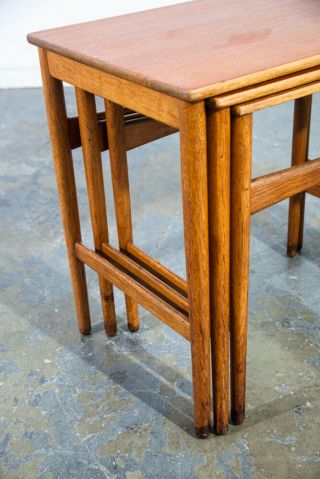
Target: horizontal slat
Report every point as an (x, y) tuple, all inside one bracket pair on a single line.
[(151, 103), (169, 315), (266, 88), (314, 191), (152, 281), (74, 130), (270, 189), (156, 268), (145, 130), (277, 99), (139, 131)]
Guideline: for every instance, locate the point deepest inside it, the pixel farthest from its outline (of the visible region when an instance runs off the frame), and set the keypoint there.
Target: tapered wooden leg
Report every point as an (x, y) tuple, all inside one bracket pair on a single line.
[(95, 186), (195, 215), (300, 145), (58, 127), (120, 183), (241, 152), (218, 134)]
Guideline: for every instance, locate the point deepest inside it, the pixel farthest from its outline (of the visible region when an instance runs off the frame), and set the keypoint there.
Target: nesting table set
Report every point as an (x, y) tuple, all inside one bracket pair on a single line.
[(201, 68)]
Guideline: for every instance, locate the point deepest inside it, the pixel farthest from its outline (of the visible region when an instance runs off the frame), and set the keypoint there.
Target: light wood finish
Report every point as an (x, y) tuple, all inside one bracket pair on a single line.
[(96, 195), (121, 192), (192, 50), (155, 70), (300, 146), (218, 134), (138, 98), (146, 277), (240, 258), (277, 99), (265, 88), (74, 132), (270, 189), (195, 214), (140, 130), (314, 191), (62, 156), (157, 306), (156, 268)]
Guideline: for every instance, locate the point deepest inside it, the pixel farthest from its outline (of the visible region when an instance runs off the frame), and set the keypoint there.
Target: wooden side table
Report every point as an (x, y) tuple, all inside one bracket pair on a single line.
[(249, 196), (197, 68)]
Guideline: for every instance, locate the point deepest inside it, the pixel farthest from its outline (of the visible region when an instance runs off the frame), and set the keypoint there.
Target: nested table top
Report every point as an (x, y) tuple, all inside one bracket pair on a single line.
[(197, 49)]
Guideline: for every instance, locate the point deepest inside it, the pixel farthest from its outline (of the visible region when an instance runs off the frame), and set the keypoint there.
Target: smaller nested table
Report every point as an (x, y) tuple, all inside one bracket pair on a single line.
[(201, 68)]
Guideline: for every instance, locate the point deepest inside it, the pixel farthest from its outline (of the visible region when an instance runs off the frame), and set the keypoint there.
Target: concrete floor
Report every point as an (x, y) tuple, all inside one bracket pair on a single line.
[(91, 408)]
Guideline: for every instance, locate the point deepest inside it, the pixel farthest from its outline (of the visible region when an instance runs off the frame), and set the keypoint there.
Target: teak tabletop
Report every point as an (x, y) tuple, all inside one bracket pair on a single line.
[(197, 49)]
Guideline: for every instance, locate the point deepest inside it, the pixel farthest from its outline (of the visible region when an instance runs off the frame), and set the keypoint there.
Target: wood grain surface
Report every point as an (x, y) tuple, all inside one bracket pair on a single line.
[(97, 204), (197, 49), (63, 163), (270, 189), (193, 149), (277, 99), (158, 269), (151, 103), (241, 159), (141, 274), (139, 293), (300, 151), (140, 130), (218, 145), (264, 89), (121, 192)]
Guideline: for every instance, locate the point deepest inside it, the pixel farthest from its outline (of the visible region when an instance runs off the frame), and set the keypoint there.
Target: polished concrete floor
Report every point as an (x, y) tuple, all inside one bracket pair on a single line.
[(93, 407)]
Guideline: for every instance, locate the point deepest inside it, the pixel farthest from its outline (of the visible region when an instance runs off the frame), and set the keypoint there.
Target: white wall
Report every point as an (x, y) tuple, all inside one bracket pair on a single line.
[(18, 59)]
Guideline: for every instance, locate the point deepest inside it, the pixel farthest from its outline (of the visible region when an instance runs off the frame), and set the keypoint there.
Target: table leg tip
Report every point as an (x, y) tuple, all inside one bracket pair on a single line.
[(133, 327), (202, 432), (238, 418), (85, 331), (292, 251), (220, 430)]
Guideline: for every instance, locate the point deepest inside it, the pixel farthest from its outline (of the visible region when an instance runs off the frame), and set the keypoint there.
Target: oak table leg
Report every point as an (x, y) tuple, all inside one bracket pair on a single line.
[(121, 192), (94, 178), (58, 127), (300, 144), (218, 134), (241, 152), (195, 214)]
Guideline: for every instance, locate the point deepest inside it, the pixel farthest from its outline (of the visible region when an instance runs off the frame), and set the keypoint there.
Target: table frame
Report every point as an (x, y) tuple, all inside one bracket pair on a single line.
[(249, 196), (218, 198), (184, 307)]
